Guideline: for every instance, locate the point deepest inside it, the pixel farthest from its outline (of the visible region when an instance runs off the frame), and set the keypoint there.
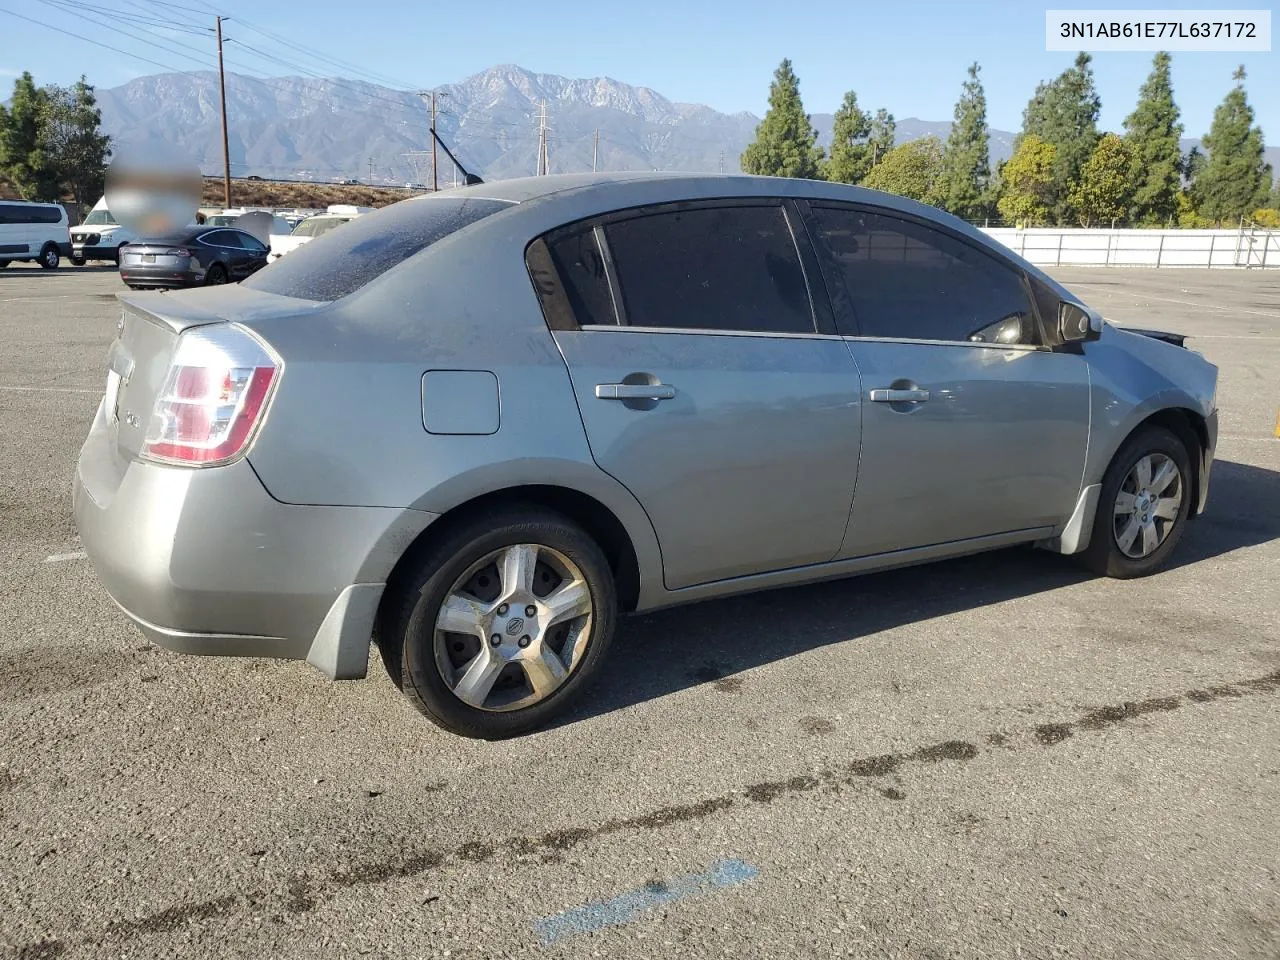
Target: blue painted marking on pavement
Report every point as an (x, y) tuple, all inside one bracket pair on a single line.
[(628, 906)]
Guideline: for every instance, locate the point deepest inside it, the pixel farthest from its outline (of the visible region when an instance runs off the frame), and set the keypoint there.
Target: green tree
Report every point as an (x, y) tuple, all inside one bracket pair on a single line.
[(850, 155), (912, 169), (1064, 114), (72, 141), (1108, 182), (1235, 179), (1154, 132), (1274, 201), (786, 141), (966, 167), (1027, 182), (881, 136), (22, 161)]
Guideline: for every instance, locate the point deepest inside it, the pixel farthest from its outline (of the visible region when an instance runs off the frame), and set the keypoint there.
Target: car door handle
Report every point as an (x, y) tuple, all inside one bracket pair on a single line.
[(885, 395), (634, 391)]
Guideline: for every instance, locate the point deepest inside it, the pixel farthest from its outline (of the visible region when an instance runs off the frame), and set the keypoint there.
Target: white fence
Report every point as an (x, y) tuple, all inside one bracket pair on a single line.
[(1049, 246)]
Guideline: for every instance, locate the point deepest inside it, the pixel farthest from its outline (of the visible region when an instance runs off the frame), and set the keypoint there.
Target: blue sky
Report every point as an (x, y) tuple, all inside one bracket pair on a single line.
[(907, 56)]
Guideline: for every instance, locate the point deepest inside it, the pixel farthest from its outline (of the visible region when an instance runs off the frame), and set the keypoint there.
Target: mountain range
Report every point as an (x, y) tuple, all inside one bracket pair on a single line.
[(333, 128)]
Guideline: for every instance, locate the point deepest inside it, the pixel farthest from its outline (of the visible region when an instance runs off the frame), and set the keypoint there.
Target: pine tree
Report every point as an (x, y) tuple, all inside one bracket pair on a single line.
[(1274, 200), (850, 155), (72, 142), (912, 169), (1064, 114), (882, 134), (966, 167), (1154, 132), (22, 161), (1108, 182), (1027, 182), (786, 141), (1235, 179)]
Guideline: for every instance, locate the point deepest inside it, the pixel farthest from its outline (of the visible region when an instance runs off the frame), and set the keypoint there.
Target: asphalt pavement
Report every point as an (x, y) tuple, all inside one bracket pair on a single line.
[(997, 756)]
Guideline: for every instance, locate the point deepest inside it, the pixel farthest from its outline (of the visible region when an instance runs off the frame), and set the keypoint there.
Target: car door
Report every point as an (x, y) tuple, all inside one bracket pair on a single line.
[(971, 426), (14, 230), (255, 252), (232, 252), (705, 385)]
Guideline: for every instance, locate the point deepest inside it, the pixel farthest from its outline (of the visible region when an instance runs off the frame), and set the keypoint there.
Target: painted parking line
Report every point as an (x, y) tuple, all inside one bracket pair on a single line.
[(630, 906), (62, 557)]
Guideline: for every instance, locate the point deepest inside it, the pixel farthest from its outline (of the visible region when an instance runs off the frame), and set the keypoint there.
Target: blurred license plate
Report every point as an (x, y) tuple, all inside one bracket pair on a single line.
[(148, 258)]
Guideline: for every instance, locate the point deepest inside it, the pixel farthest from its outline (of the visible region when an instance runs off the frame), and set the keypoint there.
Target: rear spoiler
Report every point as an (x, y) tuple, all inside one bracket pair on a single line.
[(1177, 339)]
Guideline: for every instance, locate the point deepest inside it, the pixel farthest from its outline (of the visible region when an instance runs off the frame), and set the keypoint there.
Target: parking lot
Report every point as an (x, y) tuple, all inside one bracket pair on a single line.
[(990, 757)]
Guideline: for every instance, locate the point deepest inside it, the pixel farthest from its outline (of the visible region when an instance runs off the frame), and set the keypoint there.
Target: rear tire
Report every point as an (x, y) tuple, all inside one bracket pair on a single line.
[(216, 274), (1143, 507), (3, 264), (49, 257), (543, 660)]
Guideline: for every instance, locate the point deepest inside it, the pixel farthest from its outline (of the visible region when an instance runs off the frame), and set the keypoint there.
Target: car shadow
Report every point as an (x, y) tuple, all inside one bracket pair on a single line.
[(670, 650)]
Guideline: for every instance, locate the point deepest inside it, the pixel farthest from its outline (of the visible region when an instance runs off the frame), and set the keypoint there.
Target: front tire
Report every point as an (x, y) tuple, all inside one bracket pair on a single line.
[(530, 579), (49, 257), (77, 261), (1144, 506), (215, 275)]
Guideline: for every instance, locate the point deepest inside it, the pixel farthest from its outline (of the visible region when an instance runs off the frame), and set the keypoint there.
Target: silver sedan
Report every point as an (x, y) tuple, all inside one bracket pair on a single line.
[(477, 426)]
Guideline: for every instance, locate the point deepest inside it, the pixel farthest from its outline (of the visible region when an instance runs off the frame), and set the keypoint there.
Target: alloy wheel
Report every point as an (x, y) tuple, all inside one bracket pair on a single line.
[(1147, 505), (513, 627)]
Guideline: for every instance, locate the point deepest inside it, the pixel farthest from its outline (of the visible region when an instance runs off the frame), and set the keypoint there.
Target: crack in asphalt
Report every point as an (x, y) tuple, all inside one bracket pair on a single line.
[(305, 892)]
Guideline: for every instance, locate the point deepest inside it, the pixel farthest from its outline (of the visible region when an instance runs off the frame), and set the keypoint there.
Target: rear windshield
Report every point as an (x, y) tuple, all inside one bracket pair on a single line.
[(342, 261)]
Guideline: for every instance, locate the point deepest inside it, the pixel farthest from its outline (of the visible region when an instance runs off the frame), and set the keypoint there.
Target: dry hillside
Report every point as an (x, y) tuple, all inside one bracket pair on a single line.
[(265, 193)]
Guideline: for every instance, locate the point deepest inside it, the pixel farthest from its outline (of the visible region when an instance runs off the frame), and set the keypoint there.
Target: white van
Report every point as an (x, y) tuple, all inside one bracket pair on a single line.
[(100, 237), (33, 231)]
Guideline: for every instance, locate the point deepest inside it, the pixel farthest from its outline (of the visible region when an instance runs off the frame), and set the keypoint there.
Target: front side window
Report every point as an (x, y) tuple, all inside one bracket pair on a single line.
[(910, 281)]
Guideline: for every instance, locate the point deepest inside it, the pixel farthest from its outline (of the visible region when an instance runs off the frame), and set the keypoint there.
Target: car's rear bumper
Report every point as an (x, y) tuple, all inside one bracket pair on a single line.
[(206, 562), (161, 278)]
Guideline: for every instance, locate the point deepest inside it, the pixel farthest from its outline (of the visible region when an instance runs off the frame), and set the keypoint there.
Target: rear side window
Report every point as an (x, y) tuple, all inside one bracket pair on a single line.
[(709, 268), (579, 258), (910, 281), (342, 261)]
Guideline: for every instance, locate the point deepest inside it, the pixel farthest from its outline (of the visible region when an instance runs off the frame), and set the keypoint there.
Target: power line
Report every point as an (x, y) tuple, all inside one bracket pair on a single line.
[(96, 43), (92, 16), (380, 79)]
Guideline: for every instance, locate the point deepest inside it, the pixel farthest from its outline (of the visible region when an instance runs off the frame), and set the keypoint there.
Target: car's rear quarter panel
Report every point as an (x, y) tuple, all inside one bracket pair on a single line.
[(346, 426)]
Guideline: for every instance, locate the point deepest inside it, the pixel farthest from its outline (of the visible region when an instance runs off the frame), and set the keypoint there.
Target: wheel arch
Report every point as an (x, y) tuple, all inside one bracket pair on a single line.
[(1189, 426), (598, 520)]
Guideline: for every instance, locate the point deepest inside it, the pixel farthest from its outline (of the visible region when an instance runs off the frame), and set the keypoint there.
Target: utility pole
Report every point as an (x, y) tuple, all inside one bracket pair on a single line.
[(371, 170), (544, 161), (435, 179), (226, 150), (595, 151), (722, 161)]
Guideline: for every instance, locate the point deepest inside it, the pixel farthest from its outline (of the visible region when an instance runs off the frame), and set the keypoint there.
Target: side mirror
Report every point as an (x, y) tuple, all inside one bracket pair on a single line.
[(1076, 324)]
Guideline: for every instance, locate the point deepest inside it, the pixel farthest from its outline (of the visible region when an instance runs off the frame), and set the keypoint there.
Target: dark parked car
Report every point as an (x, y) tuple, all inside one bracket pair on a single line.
[(191, 258)]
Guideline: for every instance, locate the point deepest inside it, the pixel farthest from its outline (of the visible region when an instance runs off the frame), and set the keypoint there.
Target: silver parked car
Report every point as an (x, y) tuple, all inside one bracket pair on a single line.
[(476, 426)]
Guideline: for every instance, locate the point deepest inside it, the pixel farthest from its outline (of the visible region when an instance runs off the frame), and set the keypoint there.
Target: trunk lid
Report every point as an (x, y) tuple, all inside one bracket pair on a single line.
[(146, 333)]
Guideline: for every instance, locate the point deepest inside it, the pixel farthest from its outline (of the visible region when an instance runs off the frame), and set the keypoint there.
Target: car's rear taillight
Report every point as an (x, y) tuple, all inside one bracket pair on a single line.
[(215, 397), (176, 252)]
